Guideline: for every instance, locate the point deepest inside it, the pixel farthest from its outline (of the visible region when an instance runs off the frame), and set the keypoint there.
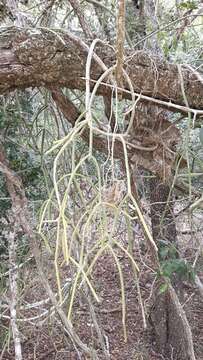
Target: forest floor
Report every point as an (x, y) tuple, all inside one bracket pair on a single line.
[(47, 340)]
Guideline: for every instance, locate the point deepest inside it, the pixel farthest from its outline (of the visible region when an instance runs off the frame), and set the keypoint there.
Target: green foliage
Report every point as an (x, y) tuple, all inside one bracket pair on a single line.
[(188, 5), (15, 125), (171, 264), (22, 158), (163, 288), (167, 251), (177, 266)]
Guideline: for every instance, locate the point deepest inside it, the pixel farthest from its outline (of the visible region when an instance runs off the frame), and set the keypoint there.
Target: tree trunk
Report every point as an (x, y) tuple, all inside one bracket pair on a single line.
[(163, 223), (171, 328)]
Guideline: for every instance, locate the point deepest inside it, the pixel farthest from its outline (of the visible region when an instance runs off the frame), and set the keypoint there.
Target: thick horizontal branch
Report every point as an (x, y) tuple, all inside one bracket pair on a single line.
[(42, 57)]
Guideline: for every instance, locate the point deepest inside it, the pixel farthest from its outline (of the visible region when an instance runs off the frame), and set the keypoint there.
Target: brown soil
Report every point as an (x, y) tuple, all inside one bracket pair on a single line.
[(48, 341)]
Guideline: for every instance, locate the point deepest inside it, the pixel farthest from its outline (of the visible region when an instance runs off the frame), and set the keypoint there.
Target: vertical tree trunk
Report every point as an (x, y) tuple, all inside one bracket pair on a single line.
[(163, 224), (172, 331)]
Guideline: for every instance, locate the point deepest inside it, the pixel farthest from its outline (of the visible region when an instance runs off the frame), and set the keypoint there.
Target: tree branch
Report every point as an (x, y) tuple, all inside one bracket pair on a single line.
[(42, 57), (85, 27)]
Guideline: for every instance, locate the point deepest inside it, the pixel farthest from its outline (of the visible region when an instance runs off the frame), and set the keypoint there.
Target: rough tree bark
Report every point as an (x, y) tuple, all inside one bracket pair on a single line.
[(171, 328), (163, 224), (42, 57)]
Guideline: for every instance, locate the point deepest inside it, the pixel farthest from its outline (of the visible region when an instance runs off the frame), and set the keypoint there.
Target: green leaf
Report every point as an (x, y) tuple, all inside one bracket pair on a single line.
[(163, 288), (163, 252)]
